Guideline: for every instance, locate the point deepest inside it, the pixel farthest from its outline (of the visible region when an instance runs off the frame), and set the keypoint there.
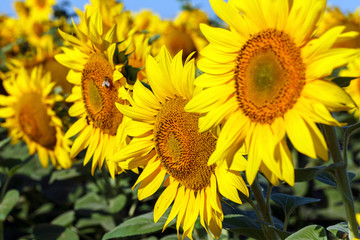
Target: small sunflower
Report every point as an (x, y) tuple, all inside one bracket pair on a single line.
[(137, 46), (40, 9), (112, 14), (28, 115), (353, 70), (44, 57), (96, 81), (264, 80), (334, 17), (167, 142)]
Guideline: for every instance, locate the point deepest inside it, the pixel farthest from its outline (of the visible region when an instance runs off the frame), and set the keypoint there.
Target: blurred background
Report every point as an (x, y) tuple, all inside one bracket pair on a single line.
[(165, 8)]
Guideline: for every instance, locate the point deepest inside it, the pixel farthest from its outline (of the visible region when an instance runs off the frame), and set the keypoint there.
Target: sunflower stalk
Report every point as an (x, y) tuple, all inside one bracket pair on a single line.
[(342, 179), (264, 209)]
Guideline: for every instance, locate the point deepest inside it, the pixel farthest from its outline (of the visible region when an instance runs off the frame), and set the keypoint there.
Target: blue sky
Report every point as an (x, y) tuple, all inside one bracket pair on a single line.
[(169, 8)]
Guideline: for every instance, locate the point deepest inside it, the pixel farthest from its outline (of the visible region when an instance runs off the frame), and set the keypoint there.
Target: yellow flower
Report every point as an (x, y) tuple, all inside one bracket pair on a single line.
[(334, 17), (29, 117), (111, 13), (182, 34), (167, 142), (264, 80), (42, 56), (146, 20), (40, 9), (96, 81), (8, 31), (353, 70), (137, 46)]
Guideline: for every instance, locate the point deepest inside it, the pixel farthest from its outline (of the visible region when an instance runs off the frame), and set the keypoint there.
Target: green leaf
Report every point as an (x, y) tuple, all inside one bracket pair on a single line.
[(64, 174), (91, 201), (119, 56), (153, 38), (18, 151), (243, 225), (198, 72), (340, 230), (4, 142), (51, 231), (117, 203), (312, 232), (306, 174), (282, 234), (343, 81), (8, 203), (131, 74), (136, 226), (170, 237), (64, 219), (107, 222), (288, 203), (327, 178)]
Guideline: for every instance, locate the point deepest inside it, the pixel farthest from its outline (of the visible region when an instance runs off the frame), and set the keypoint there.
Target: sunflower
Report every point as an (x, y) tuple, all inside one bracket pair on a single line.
[(182, 34), (264, 80), (96, 81), (353, 70), (44, 57), (137, 47), (40, 9), (111, 12), (167, 142), (28, 115), (334, 17)]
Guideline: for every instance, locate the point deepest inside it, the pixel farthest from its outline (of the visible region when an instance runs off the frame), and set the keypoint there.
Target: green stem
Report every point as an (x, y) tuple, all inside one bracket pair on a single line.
[(286, 222), (342, 180), (349, 131), (264, 208), (260, 217), (268, 195), (259, 197)]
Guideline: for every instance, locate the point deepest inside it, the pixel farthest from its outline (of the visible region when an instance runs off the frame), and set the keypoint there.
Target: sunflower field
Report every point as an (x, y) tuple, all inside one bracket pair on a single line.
[(117, 124)]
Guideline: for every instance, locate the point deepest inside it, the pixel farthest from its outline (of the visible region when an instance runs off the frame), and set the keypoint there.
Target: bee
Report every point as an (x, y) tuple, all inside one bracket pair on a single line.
[(106, 82)]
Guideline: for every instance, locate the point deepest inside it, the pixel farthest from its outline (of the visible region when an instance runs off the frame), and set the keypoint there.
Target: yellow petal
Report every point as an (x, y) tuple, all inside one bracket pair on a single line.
[(78, 126), (165, 199), (286, 163), (225, 187), (136, 148), (229, 42), (81, 141), (176, 206), (151, 184), (299, 134), (329, 94), (43, 156)]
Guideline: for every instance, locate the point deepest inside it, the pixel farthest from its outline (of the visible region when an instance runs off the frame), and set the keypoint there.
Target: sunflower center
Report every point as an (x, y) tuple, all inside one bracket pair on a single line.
[(269, 76), (35, 122), (176, 40), (41, 3), (183, 151), (100, 94)]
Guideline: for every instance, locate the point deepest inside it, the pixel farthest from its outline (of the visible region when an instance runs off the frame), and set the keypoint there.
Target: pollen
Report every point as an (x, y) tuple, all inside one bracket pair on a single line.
[(183, 151), (35, 122), (100, 93), (269, 76)]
